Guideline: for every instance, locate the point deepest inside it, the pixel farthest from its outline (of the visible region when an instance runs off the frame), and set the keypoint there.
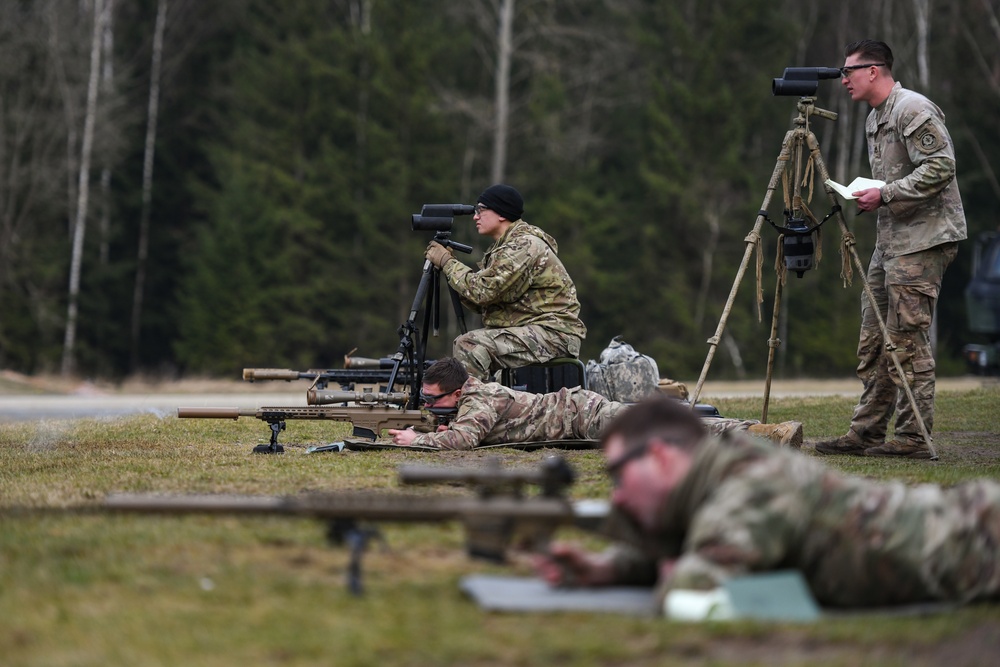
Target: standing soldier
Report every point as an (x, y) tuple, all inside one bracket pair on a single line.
[(527, 300), (920, 221)]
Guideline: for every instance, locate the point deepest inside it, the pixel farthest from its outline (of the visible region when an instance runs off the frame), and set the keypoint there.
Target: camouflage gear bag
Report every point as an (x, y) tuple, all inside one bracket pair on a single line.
[(622, 374)]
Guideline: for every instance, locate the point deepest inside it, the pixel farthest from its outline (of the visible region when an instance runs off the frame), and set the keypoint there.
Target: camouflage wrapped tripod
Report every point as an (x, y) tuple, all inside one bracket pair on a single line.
[(798, 164)]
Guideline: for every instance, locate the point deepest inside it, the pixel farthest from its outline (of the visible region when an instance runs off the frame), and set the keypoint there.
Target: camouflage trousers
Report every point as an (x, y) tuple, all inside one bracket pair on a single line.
[(592, 416), (483, 352), (718, 425), (906, 289)]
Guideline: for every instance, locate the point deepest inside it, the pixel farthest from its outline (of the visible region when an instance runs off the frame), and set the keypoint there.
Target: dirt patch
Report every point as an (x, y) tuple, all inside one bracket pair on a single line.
[(979, 447)]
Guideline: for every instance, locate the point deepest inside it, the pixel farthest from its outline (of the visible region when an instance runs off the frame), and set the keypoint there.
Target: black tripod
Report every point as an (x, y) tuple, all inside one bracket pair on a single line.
[(795, 169), (412, 350)]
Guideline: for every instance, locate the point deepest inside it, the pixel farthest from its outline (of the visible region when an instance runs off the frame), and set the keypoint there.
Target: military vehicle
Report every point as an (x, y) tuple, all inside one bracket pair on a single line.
[(982, 300)]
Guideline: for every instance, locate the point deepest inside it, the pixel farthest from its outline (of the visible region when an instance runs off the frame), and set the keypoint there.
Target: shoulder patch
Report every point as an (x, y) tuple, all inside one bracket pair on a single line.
[(928, 139)]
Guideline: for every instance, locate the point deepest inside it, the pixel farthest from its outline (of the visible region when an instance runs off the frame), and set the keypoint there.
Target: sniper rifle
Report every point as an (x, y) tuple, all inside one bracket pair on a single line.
[(370, 413), (501, 516), (357, 370)]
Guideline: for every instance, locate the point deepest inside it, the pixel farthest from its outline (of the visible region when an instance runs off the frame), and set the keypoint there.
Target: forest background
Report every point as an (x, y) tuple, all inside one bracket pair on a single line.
[(189, 188)]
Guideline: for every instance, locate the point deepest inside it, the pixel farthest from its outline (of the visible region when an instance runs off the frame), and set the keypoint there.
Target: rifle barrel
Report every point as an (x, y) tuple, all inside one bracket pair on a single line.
[(214, 413), (252, 374), (364, 506)]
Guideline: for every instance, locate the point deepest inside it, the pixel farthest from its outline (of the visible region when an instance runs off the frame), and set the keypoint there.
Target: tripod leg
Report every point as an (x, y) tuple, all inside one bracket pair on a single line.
[(456, 303), (408, 329), (890, 346), (752, 241), (773, 342)]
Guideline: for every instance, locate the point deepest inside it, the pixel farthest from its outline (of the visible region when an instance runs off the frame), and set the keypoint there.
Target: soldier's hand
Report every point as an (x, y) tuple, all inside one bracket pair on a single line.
[(403, 437), (438, 254), (568, 565), (869, 200)]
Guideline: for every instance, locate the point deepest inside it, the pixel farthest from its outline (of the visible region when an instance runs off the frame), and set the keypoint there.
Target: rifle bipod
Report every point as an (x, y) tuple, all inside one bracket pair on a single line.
[(356, 536), (803, 170), (276, 426)]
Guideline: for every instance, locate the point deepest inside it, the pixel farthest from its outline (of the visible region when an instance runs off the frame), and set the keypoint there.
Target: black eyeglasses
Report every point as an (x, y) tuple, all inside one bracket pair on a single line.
[(431, 399), (614, 469), (847, 69), (479, 208)]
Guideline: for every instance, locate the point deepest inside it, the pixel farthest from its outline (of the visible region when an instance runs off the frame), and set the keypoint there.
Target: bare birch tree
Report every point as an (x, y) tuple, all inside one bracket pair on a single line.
[(922, 17), (107, 90), (101, 14), (501, 90), (142, 257)]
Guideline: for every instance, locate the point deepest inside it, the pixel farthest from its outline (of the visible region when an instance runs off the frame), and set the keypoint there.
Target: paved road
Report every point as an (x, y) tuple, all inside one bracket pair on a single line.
[(107, 405), (26, 408)]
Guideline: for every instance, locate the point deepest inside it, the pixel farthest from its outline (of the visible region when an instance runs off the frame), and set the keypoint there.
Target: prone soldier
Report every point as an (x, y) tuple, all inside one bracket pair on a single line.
[(694, 510), (492, 414)]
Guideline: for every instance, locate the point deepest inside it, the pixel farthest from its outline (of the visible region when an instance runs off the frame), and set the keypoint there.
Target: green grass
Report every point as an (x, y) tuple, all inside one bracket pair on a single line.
[(85, 589)]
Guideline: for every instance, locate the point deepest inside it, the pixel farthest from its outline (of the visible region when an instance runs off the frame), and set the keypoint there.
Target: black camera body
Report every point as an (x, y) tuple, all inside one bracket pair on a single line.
[(798, 246), (802, 81)]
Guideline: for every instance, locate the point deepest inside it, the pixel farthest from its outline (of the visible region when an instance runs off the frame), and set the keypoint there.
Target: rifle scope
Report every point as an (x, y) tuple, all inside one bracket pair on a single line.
[(802, 81)]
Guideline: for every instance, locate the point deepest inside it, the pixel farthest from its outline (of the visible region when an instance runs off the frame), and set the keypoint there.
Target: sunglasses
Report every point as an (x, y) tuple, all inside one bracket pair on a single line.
[(430, 399), (847, 69), (614, 468)]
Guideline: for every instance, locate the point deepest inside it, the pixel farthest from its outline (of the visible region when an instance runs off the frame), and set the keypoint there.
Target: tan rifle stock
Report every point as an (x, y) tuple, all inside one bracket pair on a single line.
[(368, 421)]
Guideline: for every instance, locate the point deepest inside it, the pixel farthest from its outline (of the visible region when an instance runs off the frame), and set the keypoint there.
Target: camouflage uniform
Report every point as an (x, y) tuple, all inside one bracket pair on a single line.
[(748, 507), (492, 414), (919, 226), (527, 300)]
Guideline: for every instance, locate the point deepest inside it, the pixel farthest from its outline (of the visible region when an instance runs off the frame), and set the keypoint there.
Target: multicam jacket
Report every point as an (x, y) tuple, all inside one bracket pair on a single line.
[(747, 506), (520, 282), (492, 414), (910, 149)]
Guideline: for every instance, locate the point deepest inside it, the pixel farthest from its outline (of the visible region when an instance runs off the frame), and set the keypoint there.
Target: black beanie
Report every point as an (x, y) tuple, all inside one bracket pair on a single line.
[(503, 199)]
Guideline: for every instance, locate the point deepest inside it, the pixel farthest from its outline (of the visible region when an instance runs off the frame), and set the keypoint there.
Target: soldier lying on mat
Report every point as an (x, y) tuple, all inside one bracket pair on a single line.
[(492, 414), (693, 510)]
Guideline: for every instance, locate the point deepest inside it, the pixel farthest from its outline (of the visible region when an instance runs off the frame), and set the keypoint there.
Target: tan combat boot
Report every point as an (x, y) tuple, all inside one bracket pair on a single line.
[(850, 444), (788, 434), (908, 449)]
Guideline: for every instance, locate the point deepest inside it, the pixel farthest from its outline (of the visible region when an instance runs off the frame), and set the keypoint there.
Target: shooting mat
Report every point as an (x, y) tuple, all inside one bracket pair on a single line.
[(367, 445)]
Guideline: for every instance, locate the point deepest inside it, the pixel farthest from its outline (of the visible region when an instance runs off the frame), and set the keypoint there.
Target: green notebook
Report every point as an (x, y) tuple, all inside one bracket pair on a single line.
[(772, 596)]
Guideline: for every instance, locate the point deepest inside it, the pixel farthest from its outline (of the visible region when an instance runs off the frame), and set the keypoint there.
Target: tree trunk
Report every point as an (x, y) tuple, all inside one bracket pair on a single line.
[(922, 16), (80, 223), (142, 256), (69, 109), (107, 88), (505, 53)]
